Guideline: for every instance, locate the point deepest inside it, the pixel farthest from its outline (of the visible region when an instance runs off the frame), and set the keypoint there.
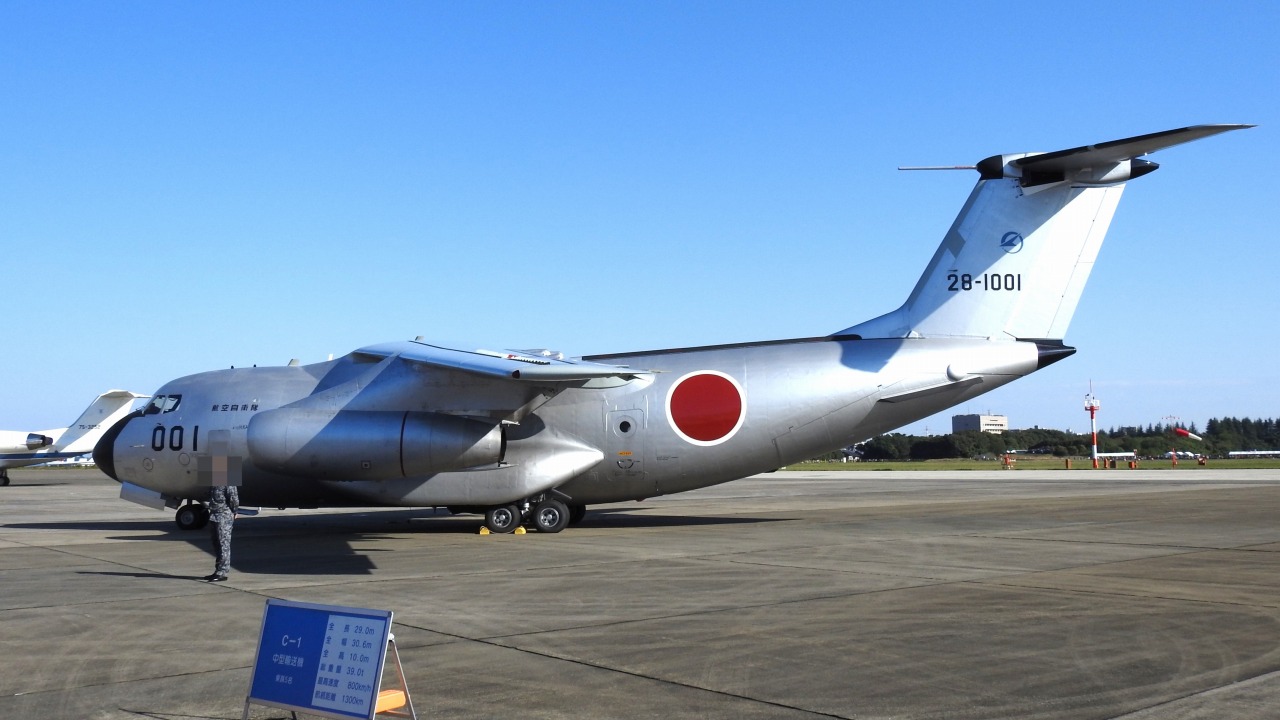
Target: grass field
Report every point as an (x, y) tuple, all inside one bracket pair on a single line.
[(1037, 462)]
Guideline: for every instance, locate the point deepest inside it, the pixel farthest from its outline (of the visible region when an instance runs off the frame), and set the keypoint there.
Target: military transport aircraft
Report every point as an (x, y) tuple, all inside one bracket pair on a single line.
[(19, 448), (532, 437)]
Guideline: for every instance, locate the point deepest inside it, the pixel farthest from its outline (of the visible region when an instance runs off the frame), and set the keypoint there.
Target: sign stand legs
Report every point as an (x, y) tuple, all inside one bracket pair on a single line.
[(396, 702)]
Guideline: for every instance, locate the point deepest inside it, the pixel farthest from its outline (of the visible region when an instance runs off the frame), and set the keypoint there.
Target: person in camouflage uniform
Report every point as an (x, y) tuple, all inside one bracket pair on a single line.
[(223, 504)]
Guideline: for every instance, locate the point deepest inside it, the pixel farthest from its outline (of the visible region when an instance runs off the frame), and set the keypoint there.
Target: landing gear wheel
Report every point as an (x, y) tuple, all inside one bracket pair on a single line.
[(191, 516), (550, 516), (576, 513), (502, 519), (4, 479)]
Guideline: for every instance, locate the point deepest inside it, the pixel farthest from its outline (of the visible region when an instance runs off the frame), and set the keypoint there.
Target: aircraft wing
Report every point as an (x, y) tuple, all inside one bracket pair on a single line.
[(504, 386), (511, 364)]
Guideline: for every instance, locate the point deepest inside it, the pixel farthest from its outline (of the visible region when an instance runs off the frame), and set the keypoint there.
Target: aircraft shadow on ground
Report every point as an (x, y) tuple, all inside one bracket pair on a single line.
[(620, 518), (318, 555), (103, 526), (364, 522), (140, 575), (321, 544)]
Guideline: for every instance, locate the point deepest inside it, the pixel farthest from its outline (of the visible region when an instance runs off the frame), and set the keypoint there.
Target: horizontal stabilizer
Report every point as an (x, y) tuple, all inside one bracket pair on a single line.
[(1103, 163)]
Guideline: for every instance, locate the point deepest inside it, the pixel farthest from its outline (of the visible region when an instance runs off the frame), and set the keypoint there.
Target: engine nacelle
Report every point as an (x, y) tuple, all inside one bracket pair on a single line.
[(370, 445), (13, 441), (36, 441)]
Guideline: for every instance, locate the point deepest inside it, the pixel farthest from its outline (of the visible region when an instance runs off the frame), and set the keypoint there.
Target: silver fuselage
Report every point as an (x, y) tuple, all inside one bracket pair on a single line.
[(796, 400)]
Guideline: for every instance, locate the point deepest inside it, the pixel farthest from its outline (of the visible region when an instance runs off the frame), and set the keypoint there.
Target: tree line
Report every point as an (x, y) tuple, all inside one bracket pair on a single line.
[(1221, 435)]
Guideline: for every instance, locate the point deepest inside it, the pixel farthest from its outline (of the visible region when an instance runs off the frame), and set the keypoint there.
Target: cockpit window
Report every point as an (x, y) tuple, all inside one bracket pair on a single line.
[(163, 404)]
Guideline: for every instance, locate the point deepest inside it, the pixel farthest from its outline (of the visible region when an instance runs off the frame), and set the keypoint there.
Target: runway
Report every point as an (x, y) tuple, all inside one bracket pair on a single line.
[(1031, 594)]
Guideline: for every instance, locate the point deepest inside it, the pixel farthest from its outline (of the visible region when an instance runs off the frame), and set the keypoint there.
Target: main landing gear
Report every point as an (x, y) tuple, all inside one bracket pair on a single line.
[(4, 478), (547, 514)]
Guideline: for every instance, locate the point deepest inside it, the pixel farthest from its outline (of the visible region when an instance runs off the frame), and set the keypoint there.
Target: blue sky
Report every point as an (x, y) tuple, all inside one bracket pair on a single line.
[(191, 186)]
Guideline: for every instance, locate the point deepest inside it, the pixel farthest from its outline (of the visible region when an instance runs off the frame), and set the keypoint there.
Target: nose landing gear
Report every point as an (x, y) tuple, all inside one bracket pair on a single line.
[(192, 516)]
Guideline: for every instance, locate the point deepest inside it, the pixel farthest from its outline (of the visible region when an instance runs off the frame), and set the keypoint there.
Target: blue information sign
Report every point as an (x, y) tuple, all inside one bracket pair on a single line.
[(321, 659)]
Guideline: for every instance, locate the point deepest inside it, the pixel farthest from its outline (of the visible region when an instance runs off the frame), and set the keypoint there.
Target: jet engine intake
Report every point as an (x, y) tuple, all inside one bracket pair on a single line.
[(370, 445)]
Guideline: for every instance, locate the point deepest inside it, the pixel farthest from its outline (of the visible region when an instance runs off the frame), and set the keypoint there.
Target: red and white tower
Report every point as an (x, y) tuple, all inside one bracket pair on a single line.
[(1092, 404)]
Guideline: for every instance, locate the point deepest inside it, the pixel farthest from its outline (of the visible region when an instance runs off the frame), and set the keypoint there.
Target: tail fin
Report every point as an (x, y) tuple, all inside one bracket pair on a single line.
[(105, 410), (1014, 263)]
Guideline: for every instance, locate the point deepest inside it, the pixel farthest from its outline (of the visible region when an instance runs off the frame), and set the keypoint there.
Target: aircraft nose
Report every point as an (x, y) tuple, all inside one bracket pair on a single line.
[(104, 453)]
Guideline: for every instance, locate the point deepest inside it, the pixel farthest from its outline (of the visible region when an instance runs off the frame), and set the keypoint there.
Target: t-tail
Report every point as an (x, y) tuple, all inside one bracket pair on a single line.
[(1014, 263), (106, 409)]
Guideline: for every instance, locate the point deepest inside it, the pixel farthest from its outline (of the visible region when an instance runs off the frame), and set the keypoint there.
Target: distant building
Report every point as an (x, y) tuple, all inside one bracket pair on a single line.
[(994, 424)]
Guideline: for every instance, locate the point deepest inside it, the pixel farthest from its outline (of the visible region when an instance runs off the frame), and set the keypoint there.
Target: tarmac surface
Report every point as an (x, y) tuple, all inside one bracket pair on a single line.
[(986, 594)]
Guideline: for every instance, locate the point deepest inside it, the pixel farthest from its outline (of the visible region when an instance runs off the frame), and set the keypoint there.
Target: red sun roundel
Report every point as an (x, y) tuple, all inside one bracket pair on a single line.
[(706, 407)]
